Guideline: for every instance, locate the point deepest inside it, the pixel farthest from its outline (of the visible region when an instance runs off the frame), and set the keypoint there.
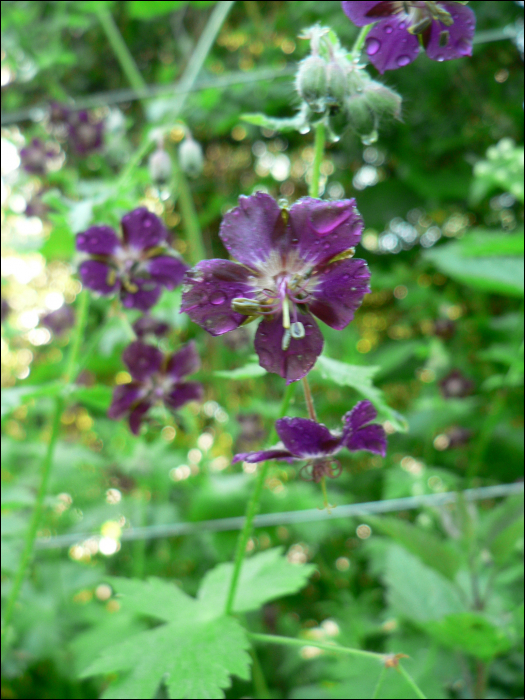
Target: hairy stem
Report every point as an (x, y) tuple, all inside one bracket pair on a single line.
[(82, 314), (480, 681), (309, 399), (121, 51), (320, 134), (335, 649), (190, 220), (251, 511), (411, 682), (379, 683), (359, 42)]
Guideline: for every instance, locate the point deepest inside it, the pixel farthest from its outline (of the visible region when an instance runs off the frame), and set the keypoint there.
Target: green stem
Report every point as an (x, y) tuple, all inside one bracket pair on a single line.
[(251, 511), (358, 44), (379, 683), (27, 552), (121, 51), (335, 649), (318, 159), (309, 399), (481, 680), (259, 681), (485, 435), (82, 313), (190, 220), (410, 681)]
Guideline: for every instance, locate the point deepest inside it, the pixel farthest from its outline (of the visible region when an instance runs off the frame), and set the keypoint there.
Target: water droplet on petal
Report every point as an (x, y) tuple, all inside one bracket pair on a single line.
[(217, 298), (403, 60), (372, 46), (305, 129), (464, 47), (388, 29), (440, 57)]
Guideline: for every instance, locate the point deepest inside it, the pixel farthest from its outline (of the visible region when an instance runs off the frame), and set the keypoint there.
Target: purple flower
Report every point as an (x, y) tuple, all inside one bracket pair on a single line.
[(305, 439), (147, 325), (456, 386), (60, 320), (292, 264), (84, 132), (156, 379), (445, 30), (137, 267), (35, 157)]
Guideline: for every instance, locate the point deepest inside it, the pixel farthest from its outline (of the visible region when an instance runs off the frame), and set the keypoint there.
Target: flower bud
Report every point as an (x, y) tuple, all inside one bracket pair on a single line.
[(382, 100), (191, 158), (159, 165), (311, 82), (337, 83)]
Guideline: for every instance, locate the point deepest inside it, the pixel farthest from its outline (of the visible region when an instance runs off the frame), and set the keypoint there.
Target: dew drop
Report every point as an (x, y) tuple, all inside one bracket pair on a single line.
[(403, 60), (372, 46), (370, 138), (305, 129), (217, 298), (440, 58), (388, 29)]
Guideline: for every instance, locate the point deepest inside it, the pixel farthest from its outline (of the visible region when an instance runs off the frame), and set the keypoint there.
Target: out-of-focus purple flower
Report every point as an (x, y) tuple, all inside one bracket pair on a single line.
[(58, 113), (85, 133), (304, 439), (292, 264), (147, 325), (157, 378), (60, 320), (445, 30), (444, 328), (5, 309), (137, 267), (36, 207), (252, 431), (456, 386), (458, 436), (36, 156)]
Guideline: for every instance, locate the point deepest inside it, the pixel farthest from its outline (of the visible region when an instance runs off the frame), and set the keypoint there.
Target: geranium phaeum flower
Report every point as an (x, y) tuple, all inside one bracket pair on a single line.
[(59, 320), (456, 386), (156, 379), (147, 325), (137, 267), (85, 132), (304, 439), (292, 264), (446, 30), (36, 157)]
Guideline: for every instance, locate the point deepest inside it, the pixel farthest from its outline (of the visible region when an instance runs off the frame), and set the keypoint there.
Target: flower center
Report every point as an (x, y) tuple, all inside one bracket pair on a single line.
[(420, 15), (157, 386)]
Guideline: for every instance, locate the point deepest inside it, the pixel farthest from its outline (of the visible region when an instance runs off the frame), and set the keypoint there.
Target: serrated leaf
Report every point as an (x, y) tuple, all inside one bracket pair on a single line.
[(416, 591), (195, 653), (264, 577), (359, 377), (471, 633), (441, 556)]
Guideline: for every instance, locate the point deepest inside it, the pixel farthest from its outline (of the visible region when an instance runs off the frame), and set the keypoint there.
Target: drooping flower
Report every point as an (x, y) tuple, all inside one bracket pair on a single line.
[(304, 439), (456, 386), (291, 264), (37, 156), (85, 133), (445, 29), (59, 320), (157, 378), (137, 267)]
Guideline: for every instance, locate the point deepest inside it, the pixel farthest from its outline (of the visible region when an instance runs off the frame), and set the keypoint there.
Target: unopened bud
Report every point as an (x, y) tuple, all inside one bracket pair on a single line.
[(311, 82), (191, 158), (337, 83), (159, 165), (382, 100)]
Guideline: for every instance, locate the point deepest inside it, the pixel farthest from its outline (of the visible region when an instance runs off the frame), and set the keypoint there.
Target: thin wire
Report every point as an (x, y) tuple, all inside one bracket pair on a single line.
[(295, 516)]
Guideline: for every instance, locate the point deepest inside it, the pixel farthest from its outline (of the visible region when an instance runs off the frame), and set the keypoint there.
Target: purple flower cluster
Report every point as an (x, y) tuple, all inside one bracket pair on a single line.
[(36, 157), (444, 29), (157, 378), (292, 265), (84, 132), (137, 266), (304, 439), (60, 320)]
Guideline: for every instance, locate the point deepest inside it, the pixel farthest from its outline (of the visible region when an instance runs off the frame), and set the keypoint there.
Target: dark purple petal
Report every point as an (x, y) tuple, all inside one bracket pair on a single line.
[(295, 362), (98, 240), (320, 230), (135, 418), (188, 391), (167, 270), (146, 295), (148, 325), (263, 455), (124, 396), (183, 362), (456, 386), (359, 434), (143, 229), (142, 360), (390, 46), (98, 276), (60, 320), (340, 291), (208, 292), (85, 134), (360, 12), (460, 34), (251, 231), (307, 439)]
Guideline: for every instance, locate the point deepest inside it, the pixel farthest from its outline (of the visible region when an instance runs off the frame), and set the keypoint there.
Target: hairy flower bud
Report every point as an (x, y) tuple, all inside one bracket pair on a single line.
[(311, 82), (159, 165), (191, 158), (337, 83)]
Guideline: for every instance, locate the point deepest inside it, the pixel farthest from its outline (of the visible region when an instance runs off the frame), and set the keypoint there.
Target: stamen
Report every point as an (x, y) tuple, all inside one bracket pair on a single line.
[(285, 343), (286, 314), (297, 330), (248, 307)]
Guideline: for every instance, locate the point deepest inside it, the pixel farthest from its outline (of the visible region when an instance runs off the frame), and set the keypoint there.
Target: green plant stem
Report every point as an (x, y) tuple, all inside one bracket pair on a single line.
[(190, 220), (318, 159), (379, 683), (359, 42), (481, 680), (335, 649), (259, 681), (410, 681), (46, 467), (118, 45), (29, 543), (309, 399), (251, 511)]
